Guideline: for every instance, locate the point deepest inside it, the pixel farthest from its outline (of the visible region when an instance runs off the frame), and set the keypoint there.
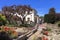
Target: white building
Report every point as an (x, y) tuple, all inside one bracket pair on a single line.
[(29, 17)]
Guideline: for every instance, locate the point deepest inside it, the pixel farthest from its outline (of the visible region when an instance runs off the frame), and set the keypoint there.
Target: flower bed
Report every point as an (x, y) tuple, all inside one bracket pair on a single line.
[(12, 33)]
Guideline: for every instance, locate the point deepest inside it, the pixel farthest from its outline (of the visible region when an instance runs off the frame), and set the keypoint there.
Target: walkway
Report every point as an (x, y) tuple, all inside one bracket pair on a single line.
[(36, 35)]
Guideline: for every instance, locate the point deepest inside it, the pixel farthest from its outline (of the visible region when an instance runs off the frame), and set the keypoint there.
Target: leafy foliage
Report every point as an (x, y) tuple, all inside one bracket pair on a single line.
[(57, 17), (50, 18), (26, 25), (52, 11), (10, 31), (20, 9), (4, 36), (48, 29), (2, 20), (59, 25)]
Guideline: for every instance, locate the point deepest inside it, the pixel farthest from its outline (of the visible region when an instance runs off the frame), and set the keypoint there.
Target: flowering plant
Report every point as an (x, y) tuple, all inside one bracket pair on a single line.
[(44, 38), (46, 32), (12, 33)]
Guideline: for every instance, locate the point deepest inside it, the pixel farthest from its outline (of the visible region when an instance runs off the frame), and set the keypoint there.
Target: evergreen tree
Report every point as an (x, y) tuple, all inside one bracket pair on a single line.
[(50, 17)]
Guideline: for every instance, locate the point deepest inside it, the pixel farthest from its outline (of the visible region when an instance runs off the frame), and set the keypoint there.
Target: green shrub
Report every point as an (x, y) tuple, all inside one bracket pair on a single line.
[(48, 29), (26, 25), (49, 18), (59, 25), (33, 24), (10, 25), (2, 20), (1, 23), (4, 36)]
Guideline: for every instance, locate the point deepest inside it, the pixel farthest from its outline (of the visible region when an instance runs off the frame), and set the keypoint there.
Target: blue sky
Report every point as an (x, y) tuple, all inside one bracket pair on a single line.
[(42, 6)]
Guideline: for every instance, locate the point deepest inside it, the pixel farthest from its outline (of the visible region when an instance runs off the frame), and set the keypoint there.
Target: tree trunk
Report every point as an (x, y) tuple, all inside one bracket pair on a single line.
[(23, 21)]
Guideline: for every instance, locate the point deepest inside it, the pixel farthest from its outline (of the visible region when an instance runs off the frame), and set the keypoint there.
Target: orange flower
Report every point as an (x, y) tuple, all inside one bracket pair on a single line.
[(46, 32), (15, 33), (6, 28)]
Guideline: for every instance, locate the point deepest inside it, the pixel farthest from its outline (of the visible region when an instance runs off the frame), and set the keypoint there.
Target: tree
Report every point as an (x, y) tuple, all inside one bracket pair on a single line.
[(8, 12), (52, 11), (21, 12), (50, 18)]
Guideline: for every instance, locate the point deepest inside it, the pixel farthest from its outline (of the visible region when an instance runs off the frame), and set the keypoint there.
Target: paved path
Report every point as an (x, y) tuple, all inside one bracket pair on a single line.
[(40, 27), (36, 35)]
